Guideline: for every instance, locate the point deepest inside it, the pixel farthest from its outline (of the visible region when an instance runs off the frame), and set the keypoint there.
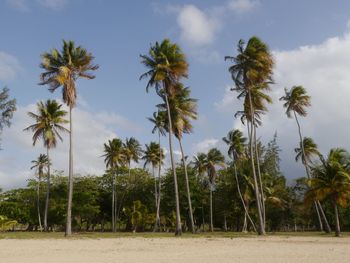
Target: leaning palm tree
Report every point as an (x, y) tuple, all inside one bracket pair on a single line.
[(158, 120), (154, 156), (252, 75), (39, 165), (114, 154), (331, 180), (213, 160), (183, 109), (296, 101), (49, 121), (62, 69), (236, 143), (166, 65)]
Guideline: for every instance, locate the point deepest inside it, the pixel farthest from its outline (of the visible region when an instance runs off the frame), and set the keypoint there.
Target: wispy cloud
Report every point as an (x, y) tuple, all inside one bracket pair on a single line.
[(242, 6), (9, 66), (27, 5)]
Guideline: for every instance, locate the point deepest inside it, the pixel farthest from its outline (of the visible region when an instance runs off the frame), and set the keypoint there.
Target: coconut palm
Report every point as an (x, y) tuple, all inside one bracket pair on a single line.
[(39, 164), (252, 75), (183, 109), (62, 69), (132, 151), (49, 120), (166, 65), (213, 160), (158, 120), (331, 180), (236, 143), (154, 156), (114, 154), (296, 101), (7, 108)]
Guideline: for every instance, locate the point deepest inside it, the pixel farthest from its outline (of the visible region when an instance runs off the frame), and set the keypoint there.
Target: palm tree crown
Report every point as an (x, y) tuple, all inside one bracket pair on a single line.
[(236, 142), (153, 154), (296, 100), (114, 153), (310, 150)]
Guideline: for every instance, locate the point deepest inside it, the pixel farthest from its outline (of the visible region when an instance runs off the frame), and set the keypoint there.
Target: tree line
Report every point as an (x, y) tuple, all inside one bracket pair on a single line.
[(246, 192)]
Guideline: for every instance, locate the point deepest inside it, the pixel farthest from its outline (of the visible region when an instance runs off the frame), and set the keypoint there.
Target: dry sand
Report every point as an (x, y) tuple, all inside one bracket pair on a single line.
[(201, 250)]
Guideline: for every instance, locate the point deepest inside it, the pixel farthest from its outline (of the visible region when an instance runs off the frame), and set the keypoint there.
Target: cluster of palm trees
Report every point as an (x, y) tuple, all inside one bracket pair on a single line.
[(167, 67)]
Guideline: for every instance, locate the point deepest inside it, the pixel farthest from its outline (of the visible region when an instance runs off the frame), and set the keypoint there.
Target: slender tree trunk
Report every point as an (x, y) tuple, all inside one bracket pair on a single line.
[(155, 197), (157, 224), (47, 190), (70, 177), (241, 197), (259, 178), (178, 230), (211, 211), (317, 205), (203, 220), (336, 217), (261, 229), (38, 201), (193, 229), (225, 223), (113, 201)]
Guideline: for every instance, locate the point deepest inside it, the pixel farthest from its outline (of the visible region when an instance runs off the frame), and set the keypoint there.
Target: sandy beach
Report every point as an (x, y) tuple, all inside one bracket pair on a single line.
[(203, 250)]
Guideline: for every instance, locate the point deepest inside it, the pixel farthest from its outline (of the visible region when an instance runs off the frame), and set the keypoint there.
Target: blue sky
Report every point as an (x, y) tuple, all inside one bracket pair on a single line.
[(309, 39)]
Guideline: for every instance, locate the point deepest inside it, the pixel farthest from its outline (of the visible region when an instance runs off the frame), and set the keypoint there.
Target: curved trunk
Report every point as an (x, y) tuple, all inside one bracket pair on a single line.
[(47, 191), (193, 229), (178, 230), (70, 177), (317, 205), (242, 199), (157, 224), (211, 210), (38, 200), (259, 178), (261, 229)]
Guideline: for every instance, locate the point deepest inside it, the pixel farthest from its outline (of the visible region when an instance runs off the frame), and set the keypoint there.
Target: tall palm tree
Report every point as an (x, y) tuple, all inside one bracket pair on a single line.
[(166, 65), (49, 121), (133, 151), (331, 180), (213, 160), (296, 101), (236, 143), (252, 75), (62, 69), (39, 164), (183, 109), (154, 155), (114, 154)]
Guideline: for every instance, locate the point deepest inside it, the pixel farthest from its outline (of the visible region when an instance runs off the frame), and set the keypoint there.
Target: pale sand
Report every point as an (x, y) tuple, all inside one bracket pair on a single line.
[(201, 250)]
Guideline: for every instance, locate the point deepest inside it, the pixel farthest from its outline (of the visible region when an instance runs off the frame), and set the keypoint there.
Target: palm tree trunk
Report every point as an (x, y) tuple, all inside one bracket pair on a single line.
[(261, 229), (241, 197), (259, 178), (155, 197), (157, 225), (318, 207), (193, 229), (336, 217), (70, 176), (211, 210), (38, 201), (47, 190), (113, 201), (178, 230), (328, 228)]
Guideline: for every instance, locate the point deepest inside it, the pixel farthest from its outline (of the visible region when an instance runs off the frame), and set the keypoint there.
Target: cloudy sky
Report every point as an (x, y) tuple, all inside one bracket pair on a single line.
[(310, 41)]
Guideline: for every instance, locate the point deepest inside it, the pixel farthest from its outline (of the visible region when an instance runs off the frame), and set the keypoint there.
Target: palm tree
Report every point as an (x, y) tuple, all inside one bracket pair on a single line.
[(7, 108), (49, 121), (114, 154), (331, 180), (132, 152), (166, 65), (296, 101), (252, 75), (159, 125), (214, 159), (154, 155), (39, 164), (183, 109), (236, 142), (62, 69)]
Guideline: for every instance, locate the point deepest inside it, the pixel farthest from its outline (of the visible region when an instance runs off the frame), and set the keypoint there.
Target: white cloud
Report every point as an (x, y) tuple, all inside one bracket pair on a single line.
[(197, 28), (205, 145), (323, 70), (90, 131), (242, 6), (20, 5), (53, 4), (9, 66)]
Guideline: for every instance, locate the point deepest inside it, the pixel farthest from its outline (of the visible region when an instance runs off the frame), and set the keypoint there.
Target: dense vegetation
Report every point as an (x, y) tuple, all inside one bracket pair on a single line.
[(244, 192)]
